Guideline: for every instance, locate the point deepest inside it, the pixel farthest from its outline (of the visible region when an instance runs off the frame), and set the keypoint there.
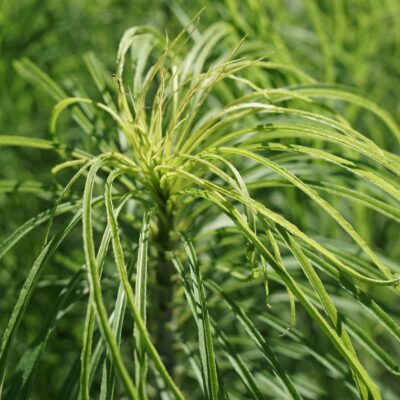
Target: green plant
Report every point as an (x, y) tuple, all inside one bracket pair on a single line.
[(208, 197)]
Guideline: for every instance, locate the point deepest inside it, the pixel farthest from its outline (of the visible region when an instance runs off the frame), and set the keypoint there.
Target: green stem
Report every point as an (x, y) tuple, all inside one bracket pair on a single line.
[(165, 288)]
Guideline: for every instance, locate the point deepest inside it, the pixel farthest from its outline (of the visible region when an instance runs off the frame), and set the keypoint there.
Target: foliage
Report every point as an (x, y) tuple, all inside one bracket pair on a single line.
[(219, 223)]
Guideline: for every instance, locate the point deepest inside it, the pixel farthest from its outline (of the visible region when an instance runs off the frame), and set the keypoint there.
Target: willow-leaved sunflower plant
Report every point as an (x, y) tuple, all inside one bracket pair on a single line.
[(218, 255)]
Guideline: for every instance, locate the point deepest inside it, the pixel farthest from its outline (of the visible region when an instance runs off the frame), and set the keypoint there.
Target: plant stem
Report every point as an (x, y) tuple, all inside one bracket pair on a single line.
[(165, 289)]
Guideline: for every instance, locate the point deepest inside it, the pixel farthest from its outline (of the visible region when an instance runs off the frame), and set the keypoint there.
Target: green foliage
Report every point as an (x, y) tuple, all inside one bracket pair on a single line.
[(217, 223)]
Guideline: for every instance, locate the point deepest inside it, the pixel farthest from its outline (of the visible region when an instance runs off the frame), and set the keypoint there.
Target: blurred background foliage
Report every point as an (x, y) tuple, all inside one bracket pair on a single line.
[(348, 42)]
